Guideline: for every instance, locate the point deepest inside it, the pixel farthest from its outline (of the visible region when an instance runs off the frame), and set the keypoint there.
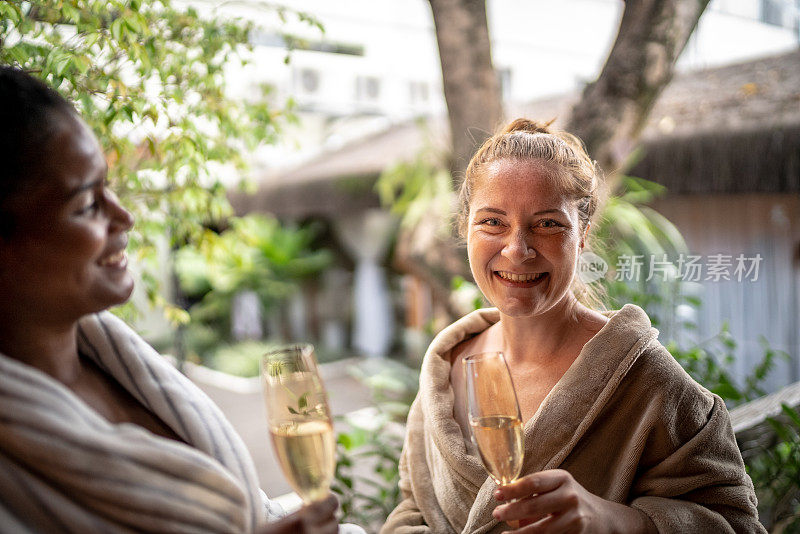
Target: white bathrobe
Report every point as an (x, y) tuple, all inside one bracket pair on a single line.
[(65, 468)]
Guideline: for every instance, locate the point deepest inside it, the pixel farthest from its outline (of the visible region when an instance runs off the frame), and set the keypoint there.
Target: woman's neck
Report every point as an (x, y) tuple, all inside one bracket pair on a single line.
[(50, 349), (544, 339)]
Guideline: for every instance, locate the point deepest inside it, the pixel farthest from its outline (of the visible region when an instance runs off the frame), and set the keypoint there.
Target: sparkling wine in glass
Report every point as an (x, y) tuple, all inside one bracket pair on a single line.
[(494, 415), (299, 420)]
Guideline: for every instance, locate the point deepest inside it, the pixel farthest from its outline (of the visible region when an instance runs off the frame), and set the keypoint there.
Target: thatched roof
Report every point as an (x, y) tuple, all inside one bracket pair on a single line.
[(734, 129), (758, 160), (729, 129), (332, 180), (761, 94)]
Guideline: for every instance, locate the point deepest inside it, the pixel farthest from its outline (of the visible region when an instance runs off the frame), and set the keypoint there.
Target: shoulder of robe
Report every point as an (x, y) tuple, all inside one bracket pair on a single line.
[(665, 386)]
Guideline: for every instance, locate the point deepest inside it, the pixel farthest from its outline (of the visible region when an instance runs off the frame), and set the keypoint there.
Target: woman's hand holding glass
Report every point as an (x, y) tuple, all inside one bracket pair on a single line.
[(553, 501), (316, 518)]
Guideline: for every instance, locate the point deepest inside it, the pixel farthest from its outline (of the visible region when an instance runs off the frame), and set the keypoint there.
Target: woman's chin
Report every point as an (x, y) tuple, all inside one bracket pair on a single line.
[(527, 307), (128, 291), (518, 309), (121, 293)]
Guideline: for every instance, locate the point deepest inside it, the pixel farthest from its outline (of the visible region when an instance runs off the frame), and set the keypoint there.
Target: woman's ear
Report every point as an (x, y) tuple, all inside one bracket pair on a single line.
[(585, 233)]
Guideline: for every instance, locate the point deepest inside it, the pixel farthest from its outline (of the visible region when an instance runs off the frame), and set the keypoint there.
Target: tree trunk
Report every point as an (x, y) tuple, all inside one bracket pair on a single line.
[(471, 87), (614, 109)]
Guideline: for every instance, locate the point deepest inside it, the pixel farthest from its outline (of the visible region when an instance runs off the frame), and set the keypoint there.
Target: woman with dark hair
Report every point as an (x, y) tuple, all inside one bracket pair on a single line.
[(617, 437), (98, 433)]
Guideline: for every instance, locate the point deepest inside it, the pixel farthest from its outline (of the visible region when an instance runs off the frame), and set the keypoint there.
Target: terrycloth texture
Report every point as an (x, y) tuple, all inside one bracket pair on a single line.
[(65, 468), (625, 420)]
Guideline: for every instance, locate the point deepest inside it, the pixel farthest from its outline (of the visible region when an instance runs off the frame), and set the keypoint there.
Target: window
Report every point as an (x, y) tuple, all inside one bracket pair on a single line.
[(368, 88), (308, 81), (780, 13), (418, 92)]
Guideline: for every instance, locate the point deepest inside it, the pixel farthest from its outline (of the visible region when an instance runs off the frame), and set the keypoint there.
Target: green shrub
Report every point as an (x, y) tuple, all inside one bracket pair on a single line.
[(240, 359), (257, 253), (775, 471), (367, 474)]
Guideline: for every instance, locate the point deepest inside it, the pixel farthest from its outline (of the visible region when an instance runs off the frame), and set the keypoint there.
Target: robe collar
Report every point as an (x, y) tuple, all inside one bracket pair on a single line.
[(563, 416)]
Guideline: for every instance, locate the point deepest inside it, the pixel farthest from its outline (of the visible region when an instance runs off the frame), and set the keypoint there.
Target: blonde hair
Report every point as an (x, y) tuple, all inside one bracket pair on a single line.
[(577, 175)]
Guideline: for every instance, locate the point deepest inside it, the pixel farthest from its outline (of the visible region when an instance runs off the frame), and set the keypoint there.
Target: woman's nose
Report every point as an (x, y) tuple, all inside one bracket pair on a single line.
[(517, 248), (119, 216)]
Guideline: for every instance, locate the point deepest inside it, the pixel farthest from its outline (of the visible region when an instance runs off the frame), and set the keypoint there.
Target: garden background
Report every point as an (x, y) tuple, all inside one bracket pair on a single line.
[(292, 166)]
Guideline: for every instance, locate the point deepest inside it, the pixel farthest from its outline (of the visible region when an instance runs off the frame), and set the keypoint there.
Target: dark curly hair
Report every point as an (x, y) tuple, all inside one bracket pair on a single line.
[(29, 113)]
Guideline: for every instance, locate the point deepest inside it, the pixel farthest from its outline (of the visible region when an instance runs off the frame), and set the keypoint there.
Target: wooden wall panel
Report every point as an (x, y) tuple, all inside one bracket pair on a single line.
[(749, 224)]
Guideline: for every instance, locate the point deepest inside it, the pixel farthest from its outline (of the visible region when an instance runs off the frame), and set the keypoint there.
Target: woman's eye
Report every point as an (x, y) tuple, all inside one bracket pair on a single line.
[(90, 209), (549, 223), (491, 221)]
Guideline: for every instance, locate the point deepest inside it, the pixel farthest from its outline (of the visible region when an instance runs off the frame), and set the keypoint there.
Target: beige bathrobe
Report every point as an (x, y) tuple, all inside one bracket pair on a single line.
[(625, 420)]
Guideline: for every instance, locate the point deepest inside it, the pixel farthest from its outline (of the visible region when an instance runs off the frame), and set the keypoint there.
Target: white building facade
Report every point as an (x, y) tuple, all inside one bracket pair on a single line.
[(376, 62)]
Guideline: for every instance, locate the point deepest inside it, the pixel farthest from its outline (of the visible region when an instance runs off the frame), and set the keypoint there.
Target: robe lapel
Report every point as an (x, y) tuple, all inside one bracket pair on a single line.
[(464, 474), (574, 402)]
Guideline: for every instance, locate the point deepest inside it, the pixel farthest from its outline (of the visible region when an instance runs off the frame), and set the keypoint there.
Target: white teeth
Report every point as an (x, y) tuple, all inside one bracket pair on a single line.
[(519, 277), (114, 258)]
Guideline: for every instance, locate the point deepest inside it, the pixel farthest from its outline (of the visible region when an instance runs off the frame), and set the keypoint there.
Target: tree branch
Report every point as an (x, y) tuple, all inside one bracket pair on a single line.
[(613, 110)]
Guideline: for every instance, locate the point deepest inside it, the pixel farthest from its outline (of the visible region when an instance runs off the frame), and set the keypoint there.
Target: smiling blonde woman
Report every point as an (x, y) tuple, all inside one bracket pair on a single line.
[(617, 437)]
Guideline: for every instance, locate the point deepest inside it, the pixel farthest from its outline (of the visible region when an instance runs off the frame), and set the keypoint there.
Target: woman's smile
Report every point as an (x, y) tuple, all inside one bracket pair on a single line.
[(117, 260), (524, 280)]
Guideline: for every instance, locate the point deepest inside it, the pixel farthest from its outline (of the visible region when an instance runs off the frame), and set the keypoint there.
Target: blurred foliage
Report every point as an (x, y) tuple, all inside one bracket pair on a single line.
[(467, 292), (628, 226), (418, 188), (709, 362), (150, 80), (776, 474), (368, 451), (255, 254), (244, 358), (240, 359)]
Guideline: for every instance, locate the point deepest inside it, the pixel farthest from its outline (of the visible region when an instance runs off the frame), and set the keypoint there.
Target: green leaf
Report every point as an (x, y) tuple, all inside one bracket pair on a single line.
[(117, 29), (727, 391), (791, 413), (694, 301), (11, 12)]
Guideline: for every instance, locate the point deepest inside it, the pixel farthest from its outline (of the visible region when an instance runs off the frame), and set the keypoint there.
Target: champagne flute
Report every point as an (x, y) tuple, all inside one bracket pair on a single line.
[(494, 416), (299, 420)]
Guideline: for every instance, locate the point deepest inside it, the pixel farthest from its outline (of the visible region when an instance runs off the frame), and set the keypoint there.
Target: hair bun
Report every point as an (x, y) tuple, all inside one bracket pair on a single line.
[(527, 125)]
